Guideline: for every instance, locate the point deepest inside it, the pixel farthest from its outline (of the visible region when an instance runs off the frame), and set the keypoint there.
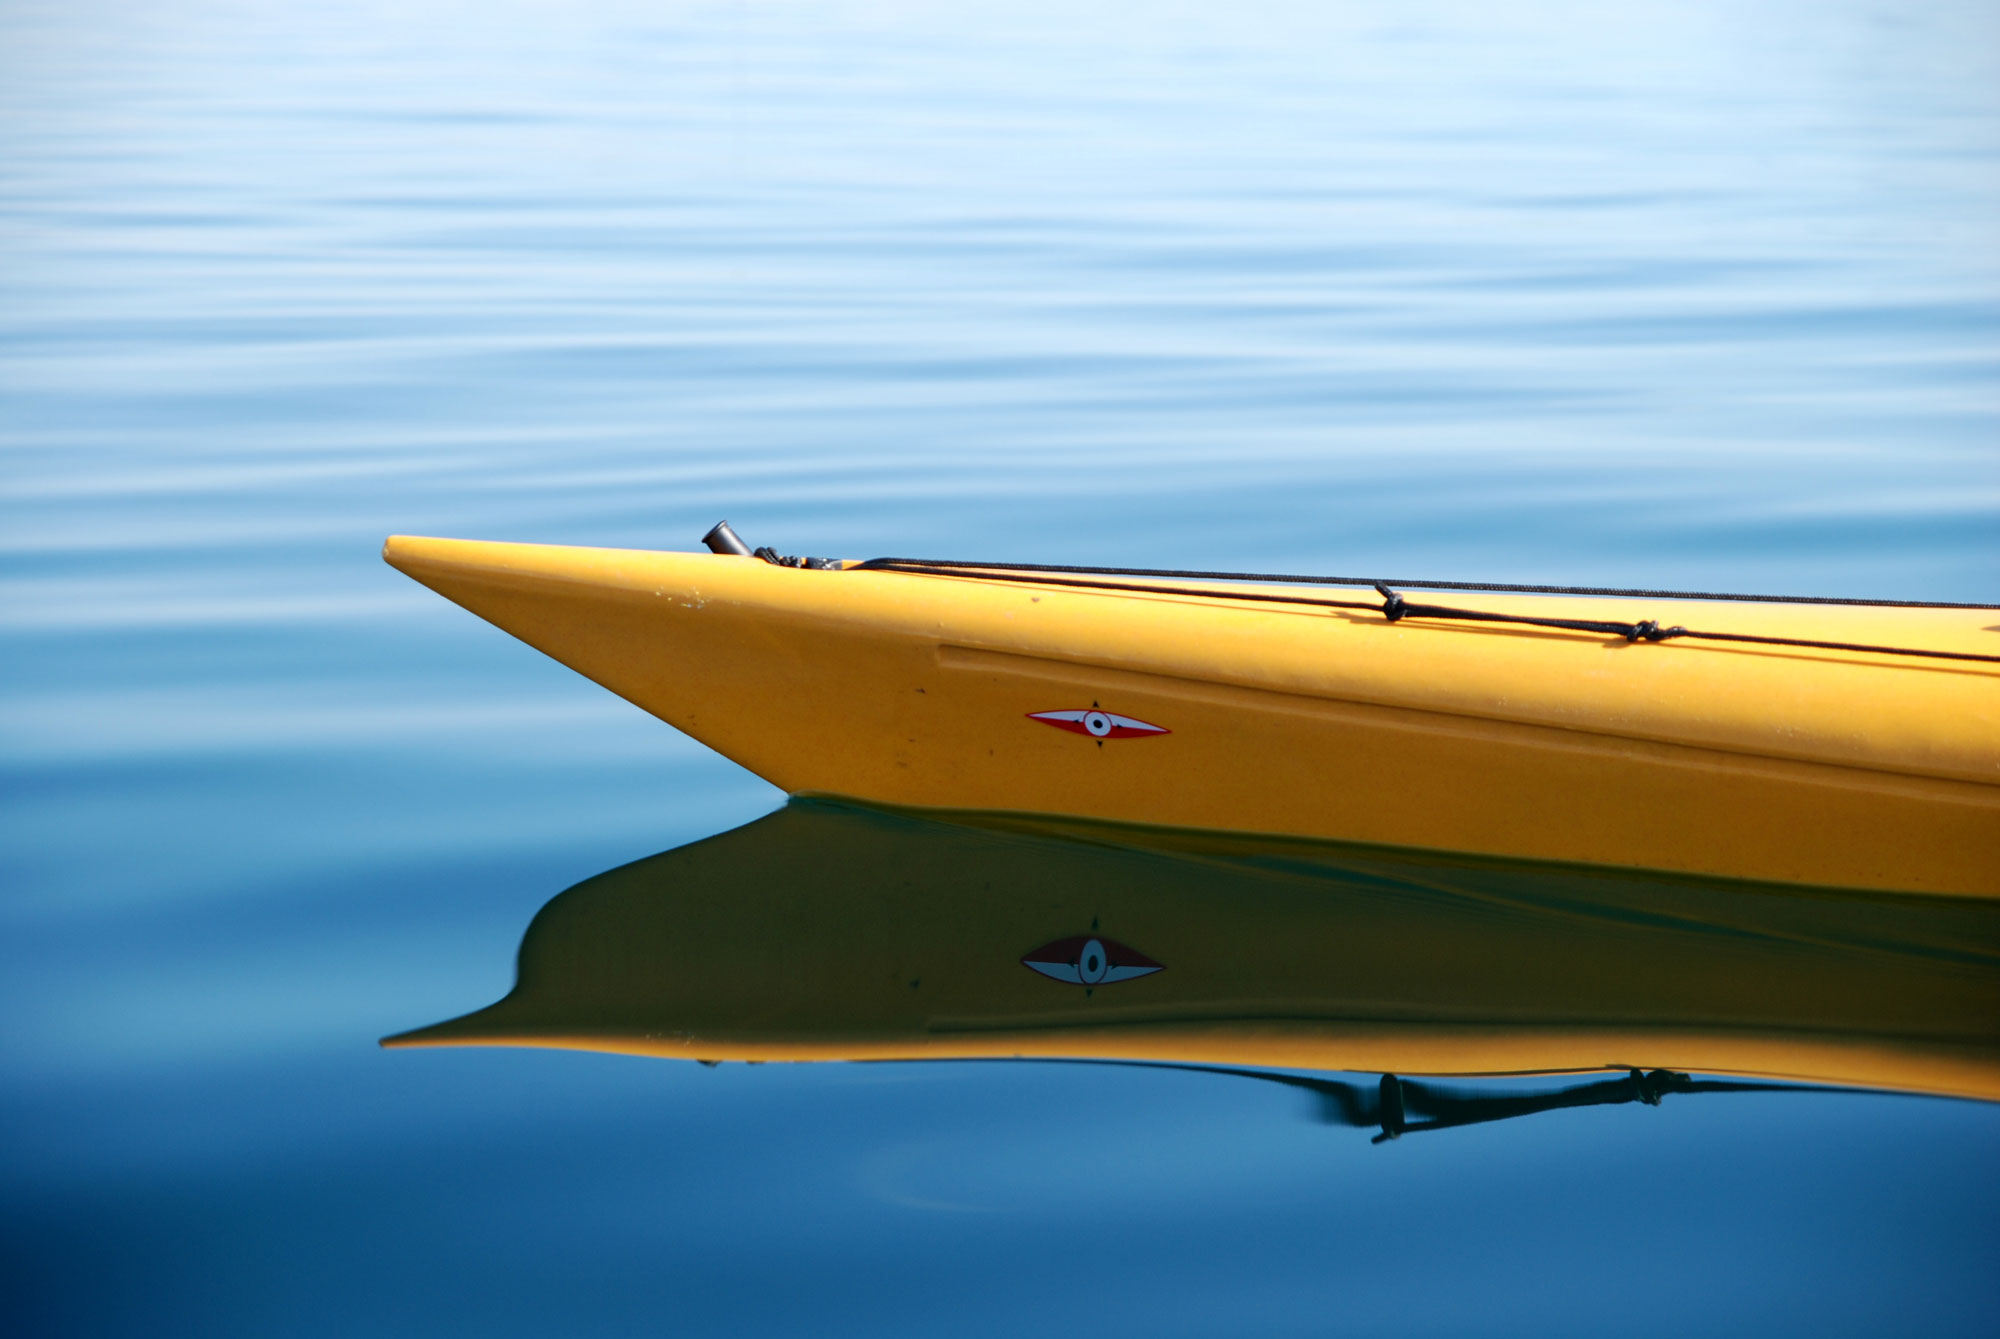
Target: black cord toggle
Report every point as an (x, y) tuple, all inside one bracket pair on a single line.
[(1393, 607)]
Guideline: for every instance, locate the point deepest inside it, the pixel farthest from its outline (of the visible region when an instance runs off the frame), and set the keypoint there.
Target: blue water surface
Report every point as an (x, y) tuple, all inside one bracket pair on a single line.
[(1688, 294)]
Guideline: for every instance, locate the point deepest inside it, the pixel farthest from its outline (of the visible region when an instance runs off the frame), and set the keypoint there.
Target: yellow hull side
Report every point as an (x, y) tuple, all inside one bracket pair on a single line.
[(1795, 766)]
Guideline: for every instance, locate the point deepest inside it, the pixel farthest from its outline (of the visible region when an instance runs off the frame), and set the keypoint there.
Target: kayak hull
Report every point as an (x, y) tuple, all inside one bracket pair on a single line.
[(1803, 767)]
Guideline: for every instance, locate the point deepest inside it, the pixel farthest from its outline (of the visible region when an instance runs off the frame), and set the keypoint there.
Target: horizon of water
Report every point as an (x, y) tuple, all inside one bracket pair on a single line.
[(1693, 295)]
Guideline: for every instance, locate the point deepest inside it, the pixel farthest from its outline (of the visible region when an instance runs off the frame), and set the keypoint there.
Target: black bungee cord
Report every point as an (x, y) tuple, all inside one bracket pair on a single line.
[(1395, 608)]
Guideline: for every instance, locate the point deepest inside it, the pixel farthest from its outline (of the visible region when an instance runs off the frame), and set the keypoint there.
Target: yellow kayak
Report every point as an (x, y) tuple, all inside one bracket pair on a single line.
[(1834, 745), (830, 932)]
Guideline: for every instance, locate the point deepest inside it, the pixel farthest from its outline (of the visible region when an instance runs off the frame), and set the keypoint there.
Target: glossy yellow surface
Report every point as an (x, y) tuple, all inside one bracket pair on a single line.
[(826, 932), (1796, 766)]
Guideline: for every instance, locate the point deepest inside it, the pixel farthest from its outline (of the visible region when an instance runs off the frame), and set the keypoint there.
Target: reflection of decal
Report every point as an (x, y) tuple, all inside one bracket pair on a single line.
[(1098, 724), (1086, 960)]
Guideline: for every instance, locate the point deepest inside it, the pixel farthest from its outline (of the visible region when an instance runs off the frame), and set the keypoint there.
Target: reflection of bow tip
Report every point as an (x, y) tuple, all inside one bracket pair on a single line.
[(411, 1040), (473, 1029)]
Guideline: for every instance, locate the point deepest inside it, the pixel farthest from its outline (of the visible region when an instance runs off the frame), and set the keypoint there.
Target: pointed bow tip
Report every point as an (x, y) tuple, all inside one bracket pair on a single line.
[(400, 550), (425, 557), (397, 550)]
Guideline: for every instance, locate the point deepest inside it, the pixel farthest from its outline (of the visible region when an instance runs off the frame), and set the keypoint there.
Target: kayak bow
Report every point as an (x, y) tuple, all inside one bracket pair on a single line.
[(1827, 745)]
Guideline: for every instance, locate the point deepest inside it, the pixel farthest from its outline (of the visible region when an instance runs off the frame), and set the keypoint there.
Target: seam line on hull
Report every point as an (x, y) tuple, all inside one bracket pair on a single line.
[(952, 656)]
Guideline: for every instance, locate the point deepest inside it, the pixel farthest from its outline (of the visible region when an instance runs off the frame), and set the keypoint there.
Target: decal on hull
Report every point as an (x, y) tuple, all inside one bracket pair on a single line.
[(1099, 724)]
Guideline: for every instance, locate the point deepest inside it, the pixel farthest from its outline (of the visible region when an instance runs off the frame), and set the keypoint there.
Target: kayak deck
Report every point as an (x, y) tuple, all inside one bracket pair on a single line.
[(1212, 710)]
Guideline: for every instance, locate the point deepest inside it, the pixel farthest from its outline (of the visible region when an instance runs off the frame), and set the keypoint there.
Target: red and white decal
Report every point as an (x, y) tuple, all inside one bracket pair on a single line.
[(1087, 960), (1098, 724)]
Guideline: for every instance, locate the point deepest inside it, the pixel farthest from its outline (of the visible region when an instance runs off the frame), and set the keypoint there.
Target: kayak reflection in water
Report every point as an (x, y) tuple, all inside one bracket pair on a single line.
[(830, 932)]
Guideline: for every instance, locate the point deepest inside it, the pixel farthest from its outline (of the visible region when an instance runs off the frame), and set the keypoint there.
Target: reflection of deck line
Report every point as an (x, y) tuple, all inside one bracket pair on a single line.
[(1934, 1071)]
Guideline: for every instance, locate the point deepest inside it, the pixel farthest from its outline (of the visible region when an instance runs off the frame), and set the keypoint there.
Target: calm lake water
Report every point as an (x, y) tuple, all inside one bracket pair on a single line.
[(1701, 295)]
